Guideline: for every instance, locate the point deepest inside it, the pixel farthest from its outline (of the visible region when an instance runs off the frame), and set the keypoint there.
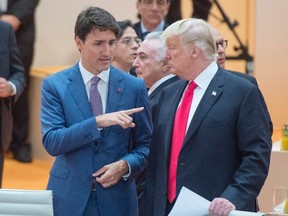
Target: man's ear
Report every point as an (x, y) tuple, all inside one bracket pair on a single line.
[(195, 52), (78, 42)]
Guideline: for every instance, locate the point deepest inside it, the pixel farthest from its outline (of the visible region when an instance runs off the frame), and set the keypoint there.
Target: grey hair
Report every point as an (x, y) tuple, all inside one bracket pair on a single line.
[(161, 49), (196, 32)]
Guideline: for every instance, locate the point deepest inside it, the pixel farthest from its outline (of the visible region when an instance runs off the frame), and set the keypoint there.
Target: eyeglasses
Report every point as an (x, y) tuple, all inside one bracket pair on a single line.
[(223, 44), (128, 41)]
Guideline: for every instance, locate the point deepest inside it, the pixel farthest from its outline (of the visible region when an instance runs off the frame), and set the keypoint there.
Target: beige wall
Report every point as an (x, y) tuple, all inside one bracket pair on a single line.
[(271, 64), (55, 27)]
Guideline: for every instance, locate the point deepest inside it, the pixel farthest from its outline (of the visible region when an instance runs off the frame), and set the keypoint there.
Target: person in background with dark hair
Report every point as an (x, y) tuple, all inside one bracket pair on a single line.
[(96, 121), (201, 9), (12, 84), (21, 15), (126, 47), (152, 16)]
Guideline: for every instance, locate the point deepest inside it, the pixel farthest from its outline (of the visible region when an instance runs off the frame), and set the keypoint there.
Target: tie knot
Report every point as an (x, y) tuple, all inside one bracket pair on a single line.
[(95, 80), (192, 85)]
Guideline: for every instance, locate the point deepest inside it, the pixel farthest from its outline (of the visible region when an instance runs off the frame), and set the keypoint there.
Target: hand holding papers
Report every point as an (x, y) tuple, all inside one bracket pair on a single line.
[(189, 203)]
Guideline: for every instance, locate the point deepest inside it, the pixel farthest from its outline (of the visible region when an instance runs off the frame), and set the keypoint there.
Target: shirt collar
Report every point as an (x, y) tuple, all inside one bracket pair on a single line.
[(159, 82), (159, 27), (204, 78), (87, 76)]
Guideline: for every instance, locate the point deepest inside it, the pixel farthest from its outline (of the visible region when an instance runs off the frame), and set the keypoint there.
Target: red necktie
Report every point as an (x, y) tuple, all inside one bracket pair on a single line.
[(179, 131)]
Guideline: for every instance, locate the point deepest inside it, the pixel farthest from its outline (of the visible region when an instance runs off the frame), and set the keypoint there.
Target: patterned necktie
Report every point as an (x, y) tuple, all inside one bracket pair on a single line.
[(95, 97), (178, 135)]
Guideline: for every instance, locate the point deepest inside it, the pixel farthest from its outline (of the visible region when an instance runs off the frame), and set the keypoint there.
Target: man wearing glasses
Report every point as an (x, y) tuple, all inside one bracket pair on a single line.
[(152, 14), (126, 47)]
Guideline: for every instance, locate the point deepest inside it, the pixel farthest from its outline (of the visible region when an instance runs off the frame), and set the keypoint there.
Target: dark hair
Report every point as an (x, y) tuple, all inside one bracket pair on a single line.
[(95, 18), (123, 26)]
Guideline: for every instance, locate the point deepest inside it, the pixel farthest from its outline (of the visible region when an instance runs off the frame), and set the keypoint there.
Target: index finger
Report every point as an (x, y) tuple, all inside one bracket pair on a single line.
[(134, 110)]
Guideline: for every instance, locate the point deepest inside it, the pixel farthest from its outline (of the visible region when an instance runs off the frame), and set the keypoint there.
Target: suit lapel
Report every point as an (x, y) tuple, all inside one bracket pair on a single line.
[(78, 92), (211, 95), (175, 96), (115, 90)]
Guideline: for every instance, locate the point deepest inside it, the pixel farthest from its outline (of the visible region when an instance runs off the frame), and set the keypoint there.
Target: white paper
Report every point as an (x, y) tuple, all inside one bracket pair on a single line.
[(189, 203)]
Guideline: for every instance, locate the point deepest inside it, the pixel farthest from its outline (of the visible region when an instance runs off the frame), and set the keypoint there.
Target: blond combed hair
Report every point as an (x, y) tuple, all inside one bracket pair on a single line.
[(196, 32)]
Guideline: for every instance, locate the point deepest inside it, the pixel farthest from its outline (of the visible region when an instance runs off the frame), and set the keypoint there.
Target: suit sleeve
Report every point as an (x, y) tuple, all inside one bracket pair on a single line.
[(17, 76), (254, 143), (58, 137), (141, 134), (23, 10)]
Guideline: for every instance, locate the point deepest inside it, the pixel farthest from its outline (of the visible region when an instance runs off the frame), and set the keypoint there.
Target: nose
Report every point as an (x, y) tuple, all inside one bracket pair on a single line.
[(220, 49), (154, 5), (167, 56), (136, 63), (135, 45)]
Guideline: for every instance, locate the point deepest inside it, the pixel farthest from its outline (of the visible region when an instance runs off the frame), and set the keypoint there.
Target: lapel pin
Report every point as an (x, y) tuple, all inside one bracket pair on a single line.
[(118, 90), (214, 93)]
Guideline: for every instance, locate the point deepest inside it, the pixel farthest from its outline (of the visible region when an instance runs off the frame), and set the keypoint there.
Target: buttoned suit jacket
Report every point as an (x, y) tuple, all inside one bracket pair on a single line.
[(226, 151), (11, 69), (70, 134)]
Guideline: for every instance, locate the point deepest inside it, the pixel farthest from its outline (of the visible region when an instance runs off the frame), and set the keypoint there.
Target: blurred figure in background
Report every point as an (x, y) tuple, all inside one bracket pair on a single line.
[(20, 14), (152, 16), (12, 84), (126, 47), (201, 10)]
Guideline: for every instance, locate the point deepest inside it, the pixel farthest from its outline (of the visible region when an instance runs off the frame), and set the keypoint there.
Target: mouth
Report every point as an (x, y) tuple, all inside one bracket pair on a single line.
[(105, 60)]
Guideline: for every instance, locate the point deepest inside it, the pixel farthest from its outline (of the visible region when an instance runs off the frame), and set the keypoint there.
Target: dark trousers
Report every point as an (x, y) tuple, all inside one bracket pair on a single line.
[(92, 208), (2, 154)]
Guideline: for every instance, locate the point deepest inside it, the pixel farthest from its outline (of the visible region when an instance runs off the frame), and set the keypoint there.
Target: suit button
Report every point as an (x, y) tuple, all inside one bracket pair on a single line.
[(182, 164)]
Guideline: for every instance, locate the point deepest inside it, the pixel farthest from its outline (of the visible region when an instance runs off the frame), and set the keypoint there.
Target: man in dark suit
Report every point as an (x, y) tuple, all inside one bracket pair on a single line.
[(222, 152), (12, 84), (97, 155), (20, 14), (152, 16), (151, 66)]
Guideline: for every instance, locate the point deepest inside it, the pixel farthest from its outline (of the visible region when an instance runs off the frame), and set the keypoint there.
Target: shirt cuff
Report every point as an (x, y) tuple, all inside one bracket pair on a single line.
[(126, 176), (13, 87)]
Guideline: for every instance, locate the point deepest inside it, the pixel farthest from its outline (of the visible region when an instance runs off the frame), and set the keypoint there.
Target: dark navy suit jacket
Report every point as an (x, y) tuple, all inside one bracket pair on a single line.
[(226, 151)]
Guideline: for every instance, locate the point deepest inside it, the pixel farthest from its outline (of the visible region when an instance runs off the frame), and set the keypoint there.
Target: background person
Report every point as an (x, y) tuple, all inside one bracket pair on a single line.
[(12, 84), (97, 155), (21, 15), (152, 16), (126, 47)]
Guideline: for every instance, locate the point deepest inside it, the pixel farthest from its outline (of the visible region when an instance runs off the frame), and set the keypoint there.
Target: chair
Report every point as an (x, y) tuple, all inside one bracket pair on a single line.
[(26, 202)]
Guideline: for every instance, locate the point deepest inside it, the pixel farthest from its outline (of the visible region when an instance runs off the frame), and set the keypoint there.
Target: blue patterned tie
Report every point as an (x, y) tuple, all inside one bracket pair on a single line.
[(95, 97)]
